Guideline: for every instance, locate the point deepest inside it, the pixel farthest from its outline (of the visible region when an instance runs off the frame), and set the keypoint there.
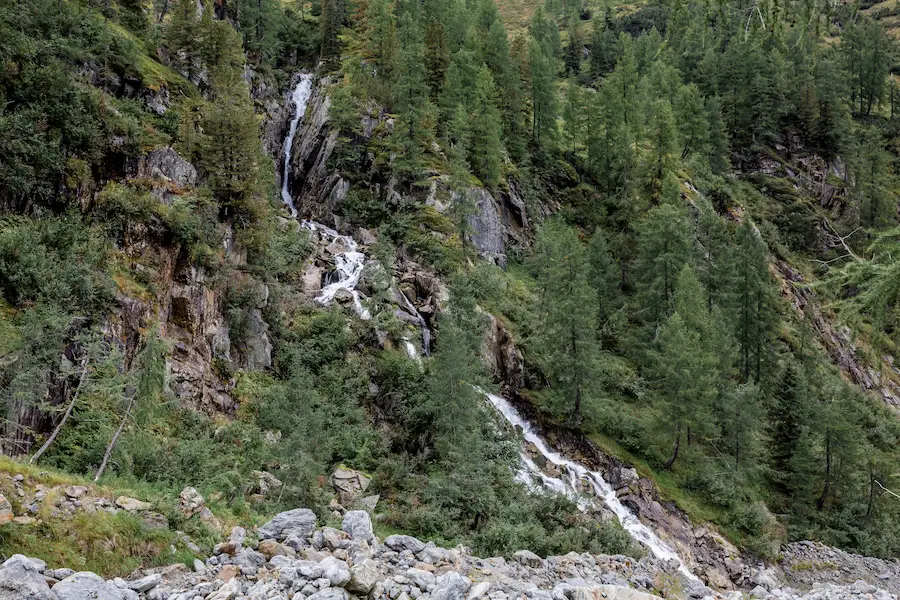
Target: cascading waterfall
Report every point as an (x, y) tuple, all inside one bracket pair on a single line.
[(300, 97), (577, 476), (349, 264)]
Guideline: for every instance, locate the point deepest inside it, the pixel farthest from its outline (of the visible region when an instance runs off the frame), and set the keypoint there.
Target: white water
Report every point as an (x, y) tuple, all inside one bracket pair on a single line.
[(580, 476), (301, 96), (348, 265)]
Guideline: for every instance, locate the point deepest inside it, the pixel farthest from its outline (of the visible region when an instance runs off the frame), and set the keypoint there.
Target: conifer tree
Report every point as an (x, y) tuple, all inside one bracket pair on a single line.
[(486, 151), (565, 336), (413, 132), (543, 95), (753, 307), (663, 248)]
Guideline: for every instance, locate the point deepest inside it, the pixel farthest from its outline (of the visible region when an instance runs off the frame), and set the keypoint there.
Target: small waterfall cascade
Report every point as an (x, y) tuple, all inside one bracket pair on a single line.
[(300, 98), (579, 477), (348, 262)]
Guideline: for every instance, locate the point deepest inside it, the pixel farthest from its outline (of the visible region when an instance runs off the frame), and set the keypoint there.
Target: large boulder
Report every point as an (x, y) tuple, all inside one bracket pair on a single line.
[(191, 501), (87, 586), (21, 579), (349, 484), (300, 522), (451, 586), (336, 570), (363, 577), (358, 524), (399, 543)]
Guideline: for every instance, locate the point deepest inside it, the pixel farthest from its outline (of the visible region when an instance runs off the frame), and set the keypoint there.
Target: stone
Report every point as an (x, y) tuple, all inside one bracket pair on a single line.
[(270, 548), (6, 511), (363, 577), (199, 567), (190, 501), (331, 594), (529, 559), (266, 482), (20, 582), (421, 578), (207, 517), (349, 484), (368, 503), (76, 491), (451, 586), (167, 165), (479, 590), (311, 283), (35, 565), (358, 524), (238, 535), (87, 586), (610, 592), (132, 504), (228, 572), (337, 571), (399, 543), (145, 584), (299, 522), (249, 558)]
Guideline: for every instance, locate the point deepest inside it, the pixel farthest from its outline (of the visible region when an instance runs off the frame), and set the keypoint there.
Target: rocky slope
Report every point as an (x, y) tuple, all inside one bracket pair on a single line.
[(290, 558)]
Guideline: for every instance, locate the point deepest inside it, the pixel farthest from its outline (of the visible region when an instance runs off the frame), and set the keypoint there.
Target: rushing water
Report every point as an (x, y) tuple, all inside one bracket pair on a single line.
[(348, 267), (300, 97), (577, 477)]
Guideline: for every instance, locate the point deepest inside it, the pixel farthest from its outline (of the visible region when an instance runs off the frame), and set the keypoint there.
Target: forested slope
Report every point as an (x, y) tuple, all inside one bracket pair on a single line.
[(680, 215)]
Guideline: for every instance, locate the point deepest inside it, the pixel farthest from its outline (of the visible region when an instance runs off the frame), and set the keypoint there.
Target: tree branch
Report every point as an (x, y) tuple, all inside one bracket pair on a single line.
[(84, 369), (115, 438)]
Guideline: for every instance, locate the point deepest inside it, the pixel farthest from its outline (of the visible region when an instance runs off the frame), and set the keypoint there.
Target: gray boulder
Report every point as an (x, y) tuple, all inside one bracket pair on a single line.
[(29, 564), (399, 543), (87, 586), (529, 559), (20, 581), (336, 570), (358, 524), (300, 522), (145, 584), (330, 594), (363, 577), (451, 586)]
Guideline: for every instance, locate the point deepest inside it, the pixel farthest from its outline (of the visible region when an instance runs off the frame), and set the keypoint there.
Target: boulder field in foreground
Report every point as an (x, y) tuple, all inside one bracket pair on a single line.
[(295, 560)]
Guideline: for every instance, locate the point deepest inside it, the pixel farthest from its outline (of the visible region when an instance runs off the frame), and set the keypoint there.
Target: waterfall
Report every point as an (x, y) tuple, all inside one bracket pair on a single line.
[(349, 266), (300, 97), (576, 475)]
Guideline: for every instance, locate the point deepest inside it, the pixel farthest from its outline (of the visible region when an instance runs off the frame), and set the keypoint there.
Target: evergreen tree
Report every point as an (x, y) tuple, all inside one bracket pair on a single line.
[(605, 275), (753, 302), (565, 339), (663, 248), (788, 418), (332, 20), (543, 95), (486, 150), (413, 131)]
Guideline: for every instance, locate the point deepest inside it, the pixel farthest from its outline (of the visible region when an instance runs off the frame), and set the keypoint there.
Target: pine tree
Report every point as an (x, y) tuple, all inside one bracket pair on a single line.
[(543, 95), (605, 275), (412, 132), (565, 339), (788, 418), (740, 416), (333, 14), (692, 121), (574, 46), (486, 150), (685, 367), (437, 57), (663, 248)]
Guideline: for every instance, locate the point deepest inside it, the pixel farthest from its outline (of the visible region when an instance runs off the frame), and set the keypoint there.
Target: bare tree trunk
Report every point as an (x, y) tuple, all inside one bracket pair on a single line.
[(115, 438), (675, 452), (84, 369)]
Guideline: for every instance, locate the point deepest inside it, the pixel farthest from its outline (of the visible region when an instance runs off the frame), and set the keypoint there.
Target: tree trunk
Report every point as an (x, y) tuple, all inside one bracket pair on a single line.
[(115, 438), (677, 448), (37, 455), (820, 503)]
